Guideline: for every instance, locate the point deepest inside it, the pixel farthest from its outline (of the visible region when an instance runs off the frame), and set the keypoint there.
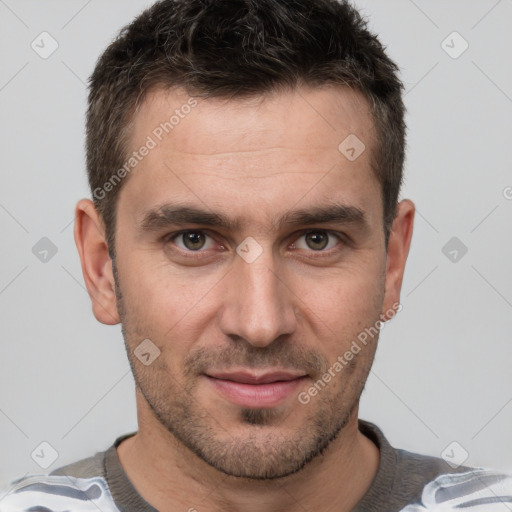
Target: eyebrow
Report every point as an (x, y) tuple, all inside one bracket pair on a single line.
[(167, 215)]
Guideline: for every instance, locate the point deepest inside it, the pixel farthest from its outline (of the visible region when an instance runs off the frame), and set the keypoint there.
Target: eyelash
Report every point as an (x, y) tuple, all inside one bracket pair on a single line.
[(198, 254)]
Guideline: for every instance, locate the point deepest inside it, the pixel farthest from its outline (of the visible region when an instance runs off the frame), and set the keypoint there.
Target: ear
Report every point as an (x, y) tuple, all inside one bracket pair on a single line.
[(398, 249), (96, 263)]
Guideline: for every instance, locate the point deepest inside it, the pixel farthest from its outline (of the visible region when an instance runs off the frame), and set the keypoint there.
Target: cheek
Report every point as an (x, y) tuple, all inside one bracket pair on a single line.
[(161, 291), (339, 307), (170, 308), (344, 294)]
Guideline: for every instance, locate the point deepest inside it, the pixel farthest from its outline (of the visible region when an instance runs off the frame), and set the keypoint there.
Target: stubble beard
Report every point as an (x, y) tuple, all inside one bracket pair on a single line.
[(265, 448)]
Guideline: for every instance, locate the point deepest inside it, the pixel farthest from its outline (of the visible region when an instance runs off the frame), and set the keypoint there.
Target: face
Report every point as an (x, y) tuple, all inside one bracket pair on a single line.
[(250, 252)]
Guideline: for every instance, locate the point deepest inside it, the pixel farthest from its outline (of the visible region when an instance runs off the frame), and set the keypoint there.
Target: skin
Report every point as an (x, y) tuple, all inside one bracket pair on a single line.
[(298, 306)]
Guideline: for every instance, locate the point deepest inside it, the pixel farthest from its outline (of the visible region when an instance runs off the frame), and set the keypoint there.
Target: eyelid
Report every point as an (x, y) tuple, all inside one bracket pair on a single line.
[(342, 238), (170, 237)]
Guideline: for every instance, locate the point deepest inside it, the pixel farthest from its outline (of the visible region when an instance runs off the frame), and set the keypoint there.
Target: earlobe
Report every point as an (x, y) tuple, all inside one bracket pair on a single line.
[(92, 247), (398, 250)]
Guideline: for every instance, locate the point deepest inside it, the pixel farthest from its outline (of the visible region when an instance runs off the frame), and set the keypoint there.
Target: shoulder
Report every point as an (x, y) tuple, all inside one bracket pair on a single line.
[(412, 482), (415, 470), (80, 486), (85, 468), (474, 490), (50, 493)]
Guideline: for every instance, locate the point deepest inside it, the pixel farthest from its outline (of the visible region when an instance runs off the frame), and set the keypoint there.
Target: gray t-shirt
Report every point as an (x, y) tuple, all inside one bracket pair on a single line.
[(405, 482)]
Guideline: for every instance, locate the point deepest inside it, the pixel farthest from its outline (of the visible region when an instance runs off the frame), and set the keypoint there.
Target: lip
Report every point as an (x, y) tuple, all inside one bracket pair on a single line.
[(246, 377), (249, 389)]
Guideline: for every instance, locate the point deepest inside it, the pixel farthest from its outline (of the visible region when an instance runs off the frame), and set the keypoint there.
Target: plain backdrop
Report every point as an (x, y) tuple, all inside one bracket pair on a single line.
[(442, 373)]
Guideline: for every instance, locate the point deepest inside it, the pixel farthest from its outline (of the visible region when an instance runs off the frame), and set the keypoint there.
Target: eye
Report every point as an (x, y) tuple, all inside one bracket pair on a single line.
[(317, 240), (192, 241)]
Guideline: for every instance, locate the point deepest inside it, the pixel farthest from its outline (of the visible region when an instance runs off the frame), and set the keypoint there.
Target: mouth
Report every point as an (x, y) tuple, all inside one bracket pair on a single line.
[(256, 390)]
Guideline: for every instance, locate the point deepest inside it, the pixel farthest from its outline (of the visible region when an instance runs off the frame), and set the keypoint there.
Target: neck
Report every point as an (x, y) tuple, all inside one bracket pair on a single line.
[(170, 477)]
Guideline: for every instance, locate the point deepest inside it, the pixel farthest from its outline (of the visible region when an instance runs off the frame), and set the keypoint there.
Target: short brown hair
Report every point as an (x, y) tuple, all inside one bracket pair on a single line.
[(237, 48)]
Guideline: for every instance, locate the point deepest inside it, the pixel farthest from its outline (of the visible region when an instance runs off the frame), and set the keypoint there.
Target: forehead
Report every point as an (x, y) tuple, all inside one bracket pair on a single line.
[(253, 155), (311, 118)]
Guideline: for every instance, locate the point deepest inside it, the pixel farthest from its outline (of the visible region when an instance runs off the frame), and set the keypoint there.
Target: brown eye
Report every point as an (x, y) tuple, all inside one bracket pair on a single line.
[(317, 240), (193, 241)]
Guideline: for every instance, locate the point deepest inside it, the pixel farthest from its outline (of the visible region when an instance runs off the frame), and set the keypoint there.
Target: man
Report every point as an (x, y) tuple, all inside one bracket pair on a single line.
[(245, 160)]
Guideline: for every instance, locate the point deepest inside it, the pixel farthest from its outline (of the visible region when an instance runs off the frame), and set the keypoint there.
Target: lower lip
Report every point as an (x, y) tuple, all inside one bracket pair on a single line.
[(256, 395)]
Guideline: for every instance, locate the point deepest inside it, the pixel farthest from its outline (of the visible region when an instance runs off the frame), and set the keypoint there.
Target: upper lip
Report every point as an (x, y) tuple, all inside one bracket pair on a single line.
[(247, 377)]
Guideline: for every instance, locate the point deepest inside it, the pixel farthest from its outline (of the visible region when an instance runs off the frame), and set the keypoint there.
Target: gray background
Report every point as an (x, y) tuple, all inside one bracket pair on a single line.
[(442, 371)]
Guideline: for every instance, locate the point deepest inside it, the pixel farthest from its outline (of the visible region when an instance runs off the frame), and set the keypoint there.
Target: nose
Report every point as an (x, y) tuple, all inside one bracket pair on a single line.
[(258, 303)]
